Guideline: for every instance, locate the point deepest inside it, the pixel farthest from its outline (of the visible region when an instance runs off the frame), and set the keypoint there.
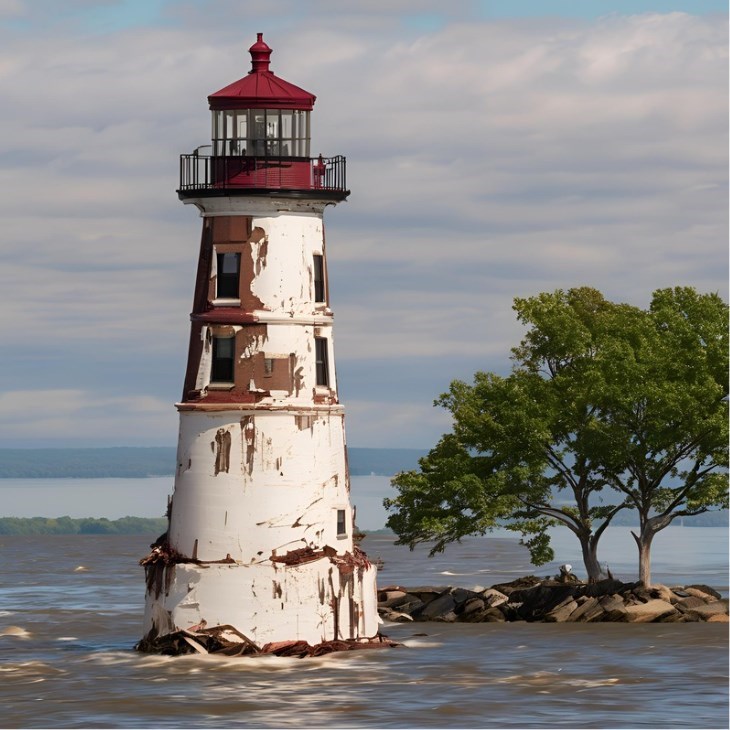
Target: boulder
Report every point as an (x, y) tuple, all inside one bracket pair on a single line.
[(612, 603), (526, 582), (462, 595), (437, 608), (494, 615), (473, 605), (721, 618), (699, 593), (652, 610), (589, 609), (390, 598), (662, 592), (705, 589), (494, 597), (561, 612), (395, 616), (705, 612), (684, 604)]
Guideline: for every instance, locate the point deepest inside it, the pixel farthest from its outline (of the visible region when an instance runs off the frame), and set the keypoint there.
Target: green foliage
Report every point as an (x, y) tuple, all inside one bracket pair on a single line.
[(83, 526), (607, 407)]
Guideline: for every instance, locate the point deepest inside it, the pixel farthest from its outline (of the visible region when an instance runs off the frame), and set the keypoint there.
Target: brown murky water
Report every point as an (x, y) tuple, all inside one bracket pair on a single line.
[(75, 666)]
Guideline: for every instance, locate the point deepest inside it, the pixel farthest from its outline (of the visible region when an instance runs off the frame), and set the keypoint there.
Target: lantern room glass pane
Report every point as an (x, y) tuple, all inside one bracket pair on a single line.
[(287, 134), (258, 133), (242, 120)]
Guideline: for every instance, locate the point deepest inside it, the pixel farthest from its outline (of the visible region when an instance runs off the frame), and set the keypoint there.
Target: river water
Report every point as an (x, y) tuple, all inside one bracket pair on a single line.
[(71, 611), (79, 599)]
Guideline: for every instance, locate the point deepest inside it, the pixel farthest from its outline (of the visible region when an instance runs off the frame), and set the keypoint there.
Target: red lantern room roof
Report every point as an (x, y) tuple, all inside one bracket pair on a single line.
[(261, 88)]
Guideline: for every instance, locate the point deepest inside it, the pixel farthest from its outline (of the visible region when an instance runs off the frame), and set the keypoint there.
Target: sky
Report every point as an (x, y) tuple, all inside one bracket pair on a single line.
[(495, 149)]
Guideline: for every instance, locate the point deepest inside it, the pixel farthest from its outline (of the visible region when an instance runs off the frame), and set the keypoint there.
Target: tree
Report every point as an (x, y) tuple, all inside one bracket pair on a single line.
[(668, 415), (607, 407)]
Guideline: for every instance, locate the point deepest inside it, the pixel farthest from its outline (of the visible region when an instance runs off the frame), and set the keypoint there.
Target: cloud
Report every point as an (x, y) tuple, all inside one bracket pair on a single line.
[(70, 416), (487, 159)]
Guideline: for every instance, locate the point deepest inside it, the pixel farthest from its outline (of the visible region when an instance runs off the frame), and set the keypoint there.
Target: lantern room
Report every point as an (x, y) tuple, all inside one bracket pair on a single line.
[(260, 140)]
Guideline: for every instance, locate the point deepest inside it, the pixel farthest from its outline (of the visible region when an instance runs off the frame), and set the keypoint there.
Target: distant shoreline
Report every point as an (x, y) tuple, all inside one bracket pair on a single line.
[(19, 526)]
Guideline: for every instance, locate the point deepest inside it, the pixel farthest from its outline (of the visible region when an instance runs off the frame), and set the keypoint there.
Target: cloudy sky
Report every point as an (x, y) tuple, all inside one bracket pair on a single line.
[(495, 149)]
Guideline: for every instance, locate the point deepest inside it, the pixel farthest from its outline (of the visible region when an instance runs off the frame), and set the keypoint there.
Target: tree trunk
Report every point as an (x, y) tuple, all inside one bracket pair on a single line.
[(590, 557), (643, 542)]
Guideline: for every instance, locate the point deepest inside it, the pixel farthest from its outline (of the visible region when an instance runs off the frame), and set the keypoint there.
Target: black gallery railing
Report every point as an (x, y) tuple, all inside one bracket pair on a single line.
[(207, 172)]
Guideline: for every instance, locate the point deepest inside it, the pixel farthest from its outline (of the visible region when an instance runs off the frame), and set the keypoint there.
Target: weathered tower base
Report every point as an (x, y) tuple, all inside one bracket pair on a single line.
[(214, 599)]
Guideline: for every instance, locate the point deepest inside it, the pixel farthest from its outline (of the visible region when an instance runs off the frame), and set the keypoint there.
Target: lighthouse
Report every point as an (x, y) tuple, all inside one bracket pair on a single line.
[(259, 550)]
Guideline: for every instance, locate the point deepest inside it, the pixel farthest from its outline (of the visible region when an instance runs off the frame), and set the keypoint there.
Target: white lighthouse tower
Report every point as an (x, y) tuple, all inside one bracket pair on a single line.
[(259, 549)]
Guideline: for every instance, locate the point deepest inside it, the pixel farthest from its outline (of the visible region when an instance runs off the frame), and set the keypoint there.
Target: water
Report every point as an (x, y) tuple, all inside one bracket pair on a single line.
[(80, 598), (76, 667)]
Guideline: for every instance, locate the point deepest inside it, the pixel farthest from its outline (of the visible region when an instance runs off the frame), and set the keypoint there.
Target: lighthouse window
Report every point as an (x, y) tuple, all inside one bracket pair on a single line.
[(229, 266), (321, 356), (221, 370), (261, 133), (341, 522), (318, 278)]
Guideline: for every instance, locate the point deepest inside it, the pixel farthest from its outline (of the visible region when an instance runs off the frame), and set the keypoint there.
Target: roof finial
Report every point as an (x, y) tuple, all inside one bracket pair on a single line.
[(260, 53)]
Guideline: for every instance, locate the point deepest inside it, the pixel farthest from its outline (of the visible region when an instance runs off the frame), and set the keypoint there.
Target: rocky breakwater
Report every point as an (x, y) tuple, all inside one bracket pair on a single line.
[(535, 599)]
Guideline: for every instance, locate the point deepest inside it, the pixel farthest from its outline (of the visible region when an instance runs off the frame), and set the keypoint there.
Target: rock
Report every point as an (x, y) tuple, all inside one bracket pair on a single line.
[(462, 595), (721, 618), (390, 598), (589, 610), (704, 613), (705, 589), (540, 600), (561, 612), (395, 616), (436, 608), (662, 592), (684, 604), (652, 610), (472, 606), (527, 581), (494, 597), (676, 617), (612, 603), (428, 593), (494, 615), (698, 593), (411, 605), (606, 586)]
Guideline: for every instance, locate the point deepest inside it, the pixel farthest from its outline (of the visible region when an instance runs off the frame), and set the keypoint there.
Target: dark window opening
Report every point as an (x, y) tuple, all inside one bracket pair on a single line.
[(341, 524), (319, 278), (221, 370), (268, 366), (229, 266), (321, 355)]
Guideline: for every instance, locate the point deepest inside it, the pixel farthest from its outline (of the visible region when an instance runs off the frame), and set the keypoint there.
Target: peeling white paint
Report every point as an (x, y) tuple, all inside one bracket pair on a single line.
[(258, 483)]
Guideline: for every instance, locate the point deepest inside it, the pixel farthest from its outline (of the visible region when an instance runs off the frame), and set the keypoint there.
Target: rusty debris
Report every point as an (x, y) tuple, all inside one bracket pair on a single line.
[(345, 563), (162, 553), (303, 555), (228, 641)]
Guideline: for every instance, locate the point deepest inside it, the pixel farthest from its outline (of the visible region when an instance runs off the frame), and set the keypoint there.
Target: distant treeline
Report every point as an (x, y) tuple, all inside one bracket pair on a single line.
[(134, 462), (82, 526)]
